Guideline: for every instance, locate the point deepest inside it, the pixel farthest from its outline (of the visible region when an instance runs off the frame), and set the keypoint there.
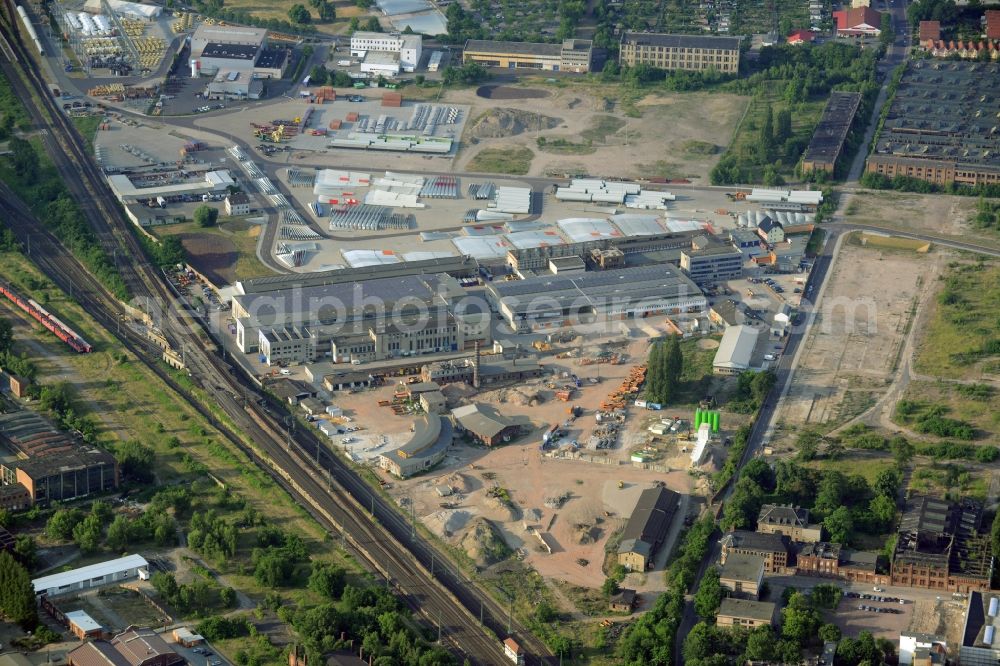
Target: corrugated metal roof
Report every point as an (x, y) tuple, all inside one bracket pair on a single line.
[(736, 348), (86, 573)]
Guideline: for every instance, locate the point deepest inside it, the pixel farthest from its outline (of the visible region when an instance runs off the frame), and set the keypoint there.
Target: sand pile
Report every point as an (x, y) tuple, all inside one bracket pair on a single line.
[(448, 522), (518, 395), (504, 122), (484, 543)]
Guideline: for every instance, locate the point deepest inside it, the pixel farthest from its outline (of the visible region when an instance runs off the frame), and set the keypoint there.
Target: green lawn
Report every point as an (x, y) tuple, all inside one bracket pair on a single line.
[(866, 466)]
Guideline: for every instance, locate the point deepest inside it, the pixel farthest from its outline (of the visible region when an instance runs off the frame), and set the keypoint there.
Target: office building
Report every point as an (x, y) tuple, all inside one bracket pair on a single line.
[(680, 52), (570, 55), (712, 264), (406, 48), (237, 203)]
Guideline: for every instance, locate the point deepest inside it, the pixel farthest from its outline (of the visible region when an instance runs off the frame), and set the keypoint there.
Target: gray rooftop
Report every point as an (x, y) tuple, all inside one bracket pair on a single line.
[(762, 542), (756, 610), (598, 287), (484, 420), (518, 48), (681, 41), (742, 567)]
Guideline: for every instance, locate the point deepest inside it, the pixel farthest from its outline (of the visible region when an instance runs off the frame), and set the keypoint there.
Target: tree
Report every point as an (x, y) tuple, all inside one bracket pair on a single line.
[(87, 534), (205, 216), (318, 75), (17, 595), (24, 159), (758, 471), (801, 622), (363, 4), (298, 13), (373, 24), (673, 365), (709, 595), (60, 526), (6, 335), (887, 483), (829, 633), (902, 450), (765, 140), (327, 580), (839, 525), (327, 12), (760, 645), (271, 567), (883, 512), (137, 460), (26, 551), (119, 534)]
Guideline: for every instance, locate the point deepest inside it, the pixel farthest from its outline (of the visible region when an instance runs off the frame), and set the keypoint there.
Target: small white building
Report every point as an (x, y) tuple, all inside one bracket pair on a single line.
[(237, 204), (95, 575), (407, 48), (912, 642), (381, 63)]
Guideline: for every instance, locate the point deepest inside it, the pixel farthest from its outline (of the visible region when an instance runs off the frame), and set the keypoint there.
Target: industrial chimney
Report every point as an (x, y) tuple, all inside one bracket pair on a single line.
[(475, 368)]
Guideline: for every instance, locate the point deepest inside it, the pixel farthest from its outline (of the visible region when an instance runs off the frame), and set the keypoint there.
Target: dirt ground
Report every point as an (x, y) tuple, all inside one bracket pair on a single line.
[(853, 351), (213, 256), (936, 214), (594, 508), (943, 617), (853, 621), (652, 144)]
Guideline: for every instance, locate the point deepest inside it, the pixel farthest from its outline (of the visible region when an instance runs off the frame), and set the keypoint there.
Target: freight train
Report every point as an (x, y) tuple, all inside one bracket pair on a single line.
[(30, 29), (61, 330)]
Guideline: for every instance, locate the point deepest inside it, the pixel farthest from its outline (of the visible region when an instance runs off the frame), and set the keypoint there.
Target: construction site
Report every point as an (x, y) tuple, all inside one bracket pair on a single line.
[(574, 449)]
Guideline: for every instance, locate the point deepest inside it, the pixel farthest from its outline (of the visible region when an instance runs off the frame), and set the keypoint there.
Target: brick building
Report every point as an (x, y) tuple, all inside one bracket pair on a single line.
[(773, 548), (941, 546)]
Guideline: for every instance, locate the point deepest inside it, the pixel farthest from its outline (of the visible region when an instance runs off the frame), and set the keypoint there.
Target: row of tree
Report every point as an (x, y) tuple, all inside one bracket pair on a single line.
[(664, 368)]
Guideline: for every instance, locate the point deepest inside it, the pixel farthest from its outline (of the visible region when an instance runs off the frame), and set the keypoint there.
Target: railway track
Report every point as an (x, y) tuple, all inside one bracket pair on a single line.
[(318, 479)]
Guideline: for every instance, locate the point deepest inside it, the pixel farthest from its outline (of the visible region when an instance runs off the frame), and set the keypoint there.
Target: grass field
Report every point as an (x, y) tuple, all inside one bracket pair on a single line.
[(892, 243), (960, 340), (977, 404), (864, 466), (87, 127), (514, 161), (241, 233)]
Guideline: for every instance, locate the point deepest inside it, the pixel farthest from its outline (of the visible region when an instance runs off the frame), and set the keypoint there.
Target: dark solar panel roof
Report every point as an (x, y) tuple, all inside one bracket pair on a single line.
[(230, 51)]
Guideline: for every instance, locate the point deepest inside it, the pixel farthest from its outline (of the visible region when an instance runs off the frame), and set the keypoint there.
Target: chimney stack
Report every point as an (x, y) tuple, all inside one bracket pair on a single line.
[(475, 368)]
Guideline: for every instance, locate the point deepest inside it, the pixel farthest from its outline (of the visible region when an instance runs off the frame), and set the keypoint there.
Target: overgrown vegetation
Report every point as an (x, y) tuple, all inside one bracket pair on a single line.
[(877, 181), (513, 160), (664, 368), (35, 179)]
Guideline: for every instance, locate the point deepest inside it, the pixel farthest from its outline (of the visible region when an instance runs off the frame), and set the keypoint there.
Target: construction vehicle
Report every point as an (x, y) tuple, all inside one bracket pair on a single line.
[(738, 195), (621, 484), (542, 345)]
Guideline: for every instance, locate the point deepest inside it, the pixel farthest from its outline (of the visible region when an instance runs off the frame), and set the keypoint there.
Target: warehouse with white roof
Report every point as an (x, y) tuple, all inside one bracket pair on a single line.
[(95, 575), (735, 350)]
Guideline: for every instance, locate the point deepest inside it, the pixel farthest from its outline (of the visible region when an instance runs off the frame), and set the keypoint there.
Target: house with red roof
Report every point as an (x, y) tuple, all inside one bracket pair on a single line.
[(801, 37), (930, 32), (858, 21), (993, 24)]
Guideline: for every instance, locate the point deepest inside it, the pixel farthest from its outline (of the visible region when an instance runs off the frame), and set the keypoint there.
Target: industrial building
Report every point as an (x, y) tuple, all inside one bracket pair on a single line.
[(745, 613), (407, 49), (137, 646), (94, 575), (237, 58), (941, 546), (493, 371), (130, 189), (67, 475), (980, 638), (680, 52), (711, 264), (647, 528), (366, 320), (82, 625), (735, 350), (570, 55), (432, 435), (827, 142), (486, 425), (549, 301), (941, 125)]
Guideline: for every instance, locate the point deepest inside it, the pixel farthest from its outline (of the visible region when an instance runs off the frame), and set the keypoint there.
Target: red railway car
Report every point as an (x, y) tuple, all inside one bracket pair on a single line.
[(40, 314)]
